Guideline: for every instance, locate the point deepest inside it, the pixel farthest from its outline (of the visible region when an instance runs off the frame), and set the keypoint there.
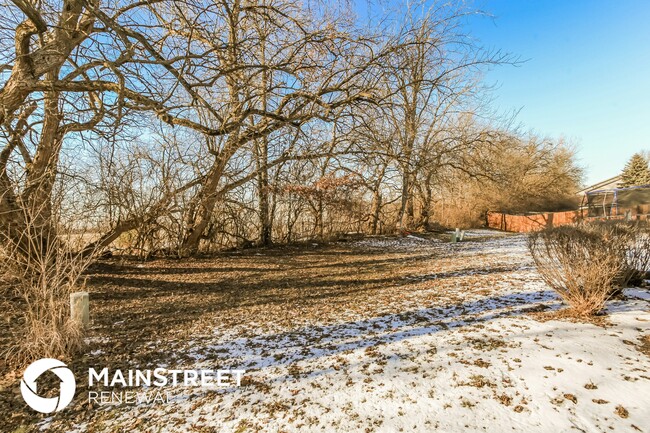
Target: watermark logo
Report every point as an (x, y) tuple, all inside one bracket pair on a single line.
[(45, 404), (132, 386)]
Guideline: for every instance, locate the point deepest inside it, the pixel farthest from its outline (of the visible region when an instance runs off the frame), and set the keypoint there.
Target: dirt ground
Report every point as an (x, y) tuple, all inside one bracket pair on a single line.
[(185, 312)]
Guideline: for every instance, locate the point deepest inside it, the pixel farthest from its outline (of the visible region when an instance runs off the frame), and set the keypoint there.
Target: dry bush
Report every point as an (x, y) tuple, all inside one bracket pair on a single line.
[(42, 271), (631, 241), (580, 263), (637, 254), (638, 257)]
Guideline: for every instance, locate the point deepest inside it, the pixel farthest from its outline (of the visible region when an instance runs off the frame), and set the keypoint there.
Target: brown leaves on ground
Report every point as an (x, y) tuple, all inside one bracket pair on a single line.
[(145, 313), (644, 347), (478, 381), (621, 411), (572, 398), (568, 315), (504, 399), (481, 363), (486, 343)]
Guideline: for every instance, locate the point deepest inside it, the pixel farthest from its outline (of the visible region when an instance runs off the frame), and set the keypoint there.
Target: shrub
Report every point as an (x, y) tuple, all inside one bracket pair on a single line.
[(582, 264), (637, 257), (41, 270), (631, 241)]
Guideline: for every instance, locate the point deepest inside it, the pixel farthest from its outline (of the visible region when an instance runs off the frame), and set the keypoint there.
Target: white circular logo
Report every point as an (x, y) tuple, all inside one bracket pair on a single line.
[(43, 404)]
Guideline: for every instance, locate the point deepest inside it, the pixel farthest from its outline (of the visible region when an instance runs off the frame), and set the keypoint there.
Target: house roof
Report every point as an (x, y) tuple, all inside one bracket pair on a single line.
[(607, 184)]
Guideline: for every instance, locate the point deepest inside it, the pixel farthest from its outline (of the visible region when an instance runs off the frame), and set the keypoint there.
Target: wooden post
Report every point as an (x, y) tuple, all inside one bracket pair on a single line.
[(455, 237), (79, 309)]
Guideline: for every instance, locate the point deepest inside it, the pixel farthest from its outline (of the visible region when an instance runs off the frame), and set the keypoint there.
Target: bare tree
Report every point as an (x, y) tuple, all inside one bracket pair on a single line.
[(429, 83)]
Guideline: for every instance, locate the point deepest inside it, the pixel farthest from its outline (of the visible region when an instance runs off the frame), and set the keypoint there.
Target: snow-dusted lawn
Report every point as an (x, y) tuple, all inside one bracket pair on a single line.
[(462, 344)]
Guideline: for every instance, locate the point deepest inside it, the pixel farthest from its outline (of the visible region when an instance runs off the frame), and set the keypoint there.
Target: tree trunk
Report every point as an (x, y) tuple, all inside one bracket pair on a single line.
[(265, 215), (405, 208), (320, 223), (208, 196), (28, 220), (261, 156), (376, 209), (199, 222), (425, 214)]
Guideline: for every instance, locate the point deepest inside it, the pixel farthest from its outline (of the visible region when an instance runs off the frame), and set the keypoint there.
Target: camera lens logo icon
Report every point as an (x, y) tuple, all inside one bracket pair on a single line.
[(44, 404)]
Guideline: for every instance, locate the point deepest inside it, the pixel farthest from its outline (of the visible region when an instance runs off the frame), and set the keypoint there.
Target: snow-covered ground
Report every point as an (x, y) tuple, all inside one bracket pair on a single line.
[(467, 355), (394, 243)]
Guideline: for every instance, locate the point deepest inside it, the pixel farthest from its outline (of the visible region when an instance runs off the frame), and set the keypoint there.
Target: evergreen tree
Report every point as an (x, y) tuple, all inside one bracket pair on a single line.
[(636, 171)]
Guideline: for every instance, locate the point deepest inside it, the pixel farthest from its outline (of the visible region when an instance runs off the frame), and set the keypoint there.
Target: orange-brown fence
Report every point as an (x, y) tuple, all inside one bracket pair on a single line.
[(529, 223), (538, 221)]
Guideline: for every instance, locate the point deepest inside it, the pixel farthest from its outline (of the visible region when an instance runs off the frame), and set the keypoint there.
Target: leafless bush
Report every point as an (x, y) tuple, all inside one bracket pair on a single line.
[(638, 257), (631, 242), (581, 264), (42, 270)]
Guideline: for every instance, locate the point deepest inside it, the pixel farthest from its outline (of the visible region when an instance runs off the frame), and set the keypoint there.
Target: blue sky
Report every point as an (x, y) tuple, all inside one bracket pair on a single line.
[(587, 76)]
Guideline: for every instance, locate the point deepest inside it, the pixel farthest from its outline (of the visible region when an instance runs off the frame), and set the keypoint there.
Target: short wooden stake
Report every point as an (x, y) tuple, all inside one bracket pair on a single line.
[(79, 310)]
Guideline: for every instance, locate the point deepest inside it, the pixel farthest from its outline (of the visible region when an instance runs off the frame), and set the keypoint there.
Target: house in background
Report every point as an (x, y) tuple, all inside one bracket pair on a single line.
[(607, 199), (603, 200), (607, 184)]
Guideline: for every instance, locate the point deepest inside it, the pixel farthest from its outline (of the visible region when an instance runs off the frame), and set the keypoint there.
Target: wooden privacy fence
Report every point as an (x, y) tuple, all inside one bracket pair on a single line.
[(529, 223)]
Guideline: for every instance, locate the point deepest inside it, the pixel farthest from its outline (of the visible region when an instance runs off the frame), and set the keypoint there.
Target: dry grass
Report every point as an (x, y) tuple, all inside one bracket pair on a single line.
[(39, 272)]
